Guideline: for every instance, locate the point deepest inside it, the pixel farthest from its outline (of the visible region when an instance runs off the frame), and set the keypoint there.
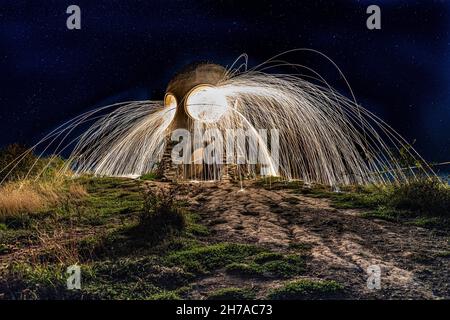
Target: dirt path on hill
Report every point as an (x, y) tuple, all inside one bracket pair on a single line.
[(343, 244)]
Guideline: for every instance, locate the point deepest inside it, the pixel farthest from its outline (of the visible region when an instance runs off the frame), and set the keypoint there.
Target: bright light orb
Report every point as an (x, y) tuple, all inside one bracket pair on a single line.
[(170, 101), (206, 104)]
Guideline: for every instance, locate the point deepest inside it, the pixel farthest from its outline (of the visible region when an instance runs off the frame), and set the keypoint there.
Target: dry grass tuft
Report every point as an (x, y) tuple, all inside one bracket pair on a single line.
[(15, 199), (59, 246), (30, 196), (78, 191)]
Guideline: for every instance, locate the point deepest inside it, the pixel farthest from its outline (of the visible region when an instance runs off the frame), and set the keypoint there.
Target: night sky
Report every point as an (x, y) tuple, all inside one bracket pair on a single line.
[(129, 50)]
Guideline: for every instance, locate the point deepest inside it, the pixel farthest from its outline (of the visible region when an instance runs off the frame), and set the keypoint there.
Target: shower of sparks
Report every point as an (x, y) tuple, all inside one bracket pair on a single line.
[(324, 137)]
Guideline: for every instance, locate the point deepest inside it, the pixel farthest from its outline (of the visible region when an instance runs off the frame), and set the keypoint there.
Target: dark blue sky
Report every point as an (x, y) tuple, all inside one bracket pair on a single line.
[(130, 49)]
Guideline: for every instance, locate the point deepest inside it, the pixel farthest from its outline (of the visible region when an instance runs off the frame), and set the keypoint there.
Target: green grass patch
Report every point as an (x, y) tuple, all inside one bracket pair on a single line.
[(204, 259), (123, 278), (429, 222), (193, 226), (25, 281), (232, 294), (150, 176), (269, 265), (443, 254), (165, 295), (196, 229), (384, 214), (307, 289), (278, 183), (413, 202), (267, 256)]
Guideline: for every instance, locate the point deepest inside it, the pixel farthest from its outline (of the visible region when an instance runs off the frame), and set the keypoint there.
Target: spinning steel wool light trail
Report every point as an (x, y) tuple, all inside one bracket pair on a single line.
[(322, 136)]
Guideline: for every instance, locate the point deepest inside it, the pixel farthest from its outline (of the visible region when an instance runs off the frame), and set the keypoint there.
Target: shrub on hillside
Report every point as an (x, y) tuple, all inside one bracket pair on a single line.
[(161, 214), (427, 196), (18, 162)]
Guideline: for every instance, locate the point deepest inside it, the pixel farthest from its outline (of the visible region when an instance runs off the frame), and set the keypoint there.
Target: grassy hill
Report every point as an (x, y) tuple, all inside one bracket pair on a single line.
[(137, 239)]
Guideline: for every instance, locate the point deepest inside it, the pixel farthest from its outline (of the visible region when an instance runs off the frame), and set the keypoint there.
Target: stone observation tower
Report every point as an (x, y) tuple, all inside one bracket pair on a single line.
[(192, 78)]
